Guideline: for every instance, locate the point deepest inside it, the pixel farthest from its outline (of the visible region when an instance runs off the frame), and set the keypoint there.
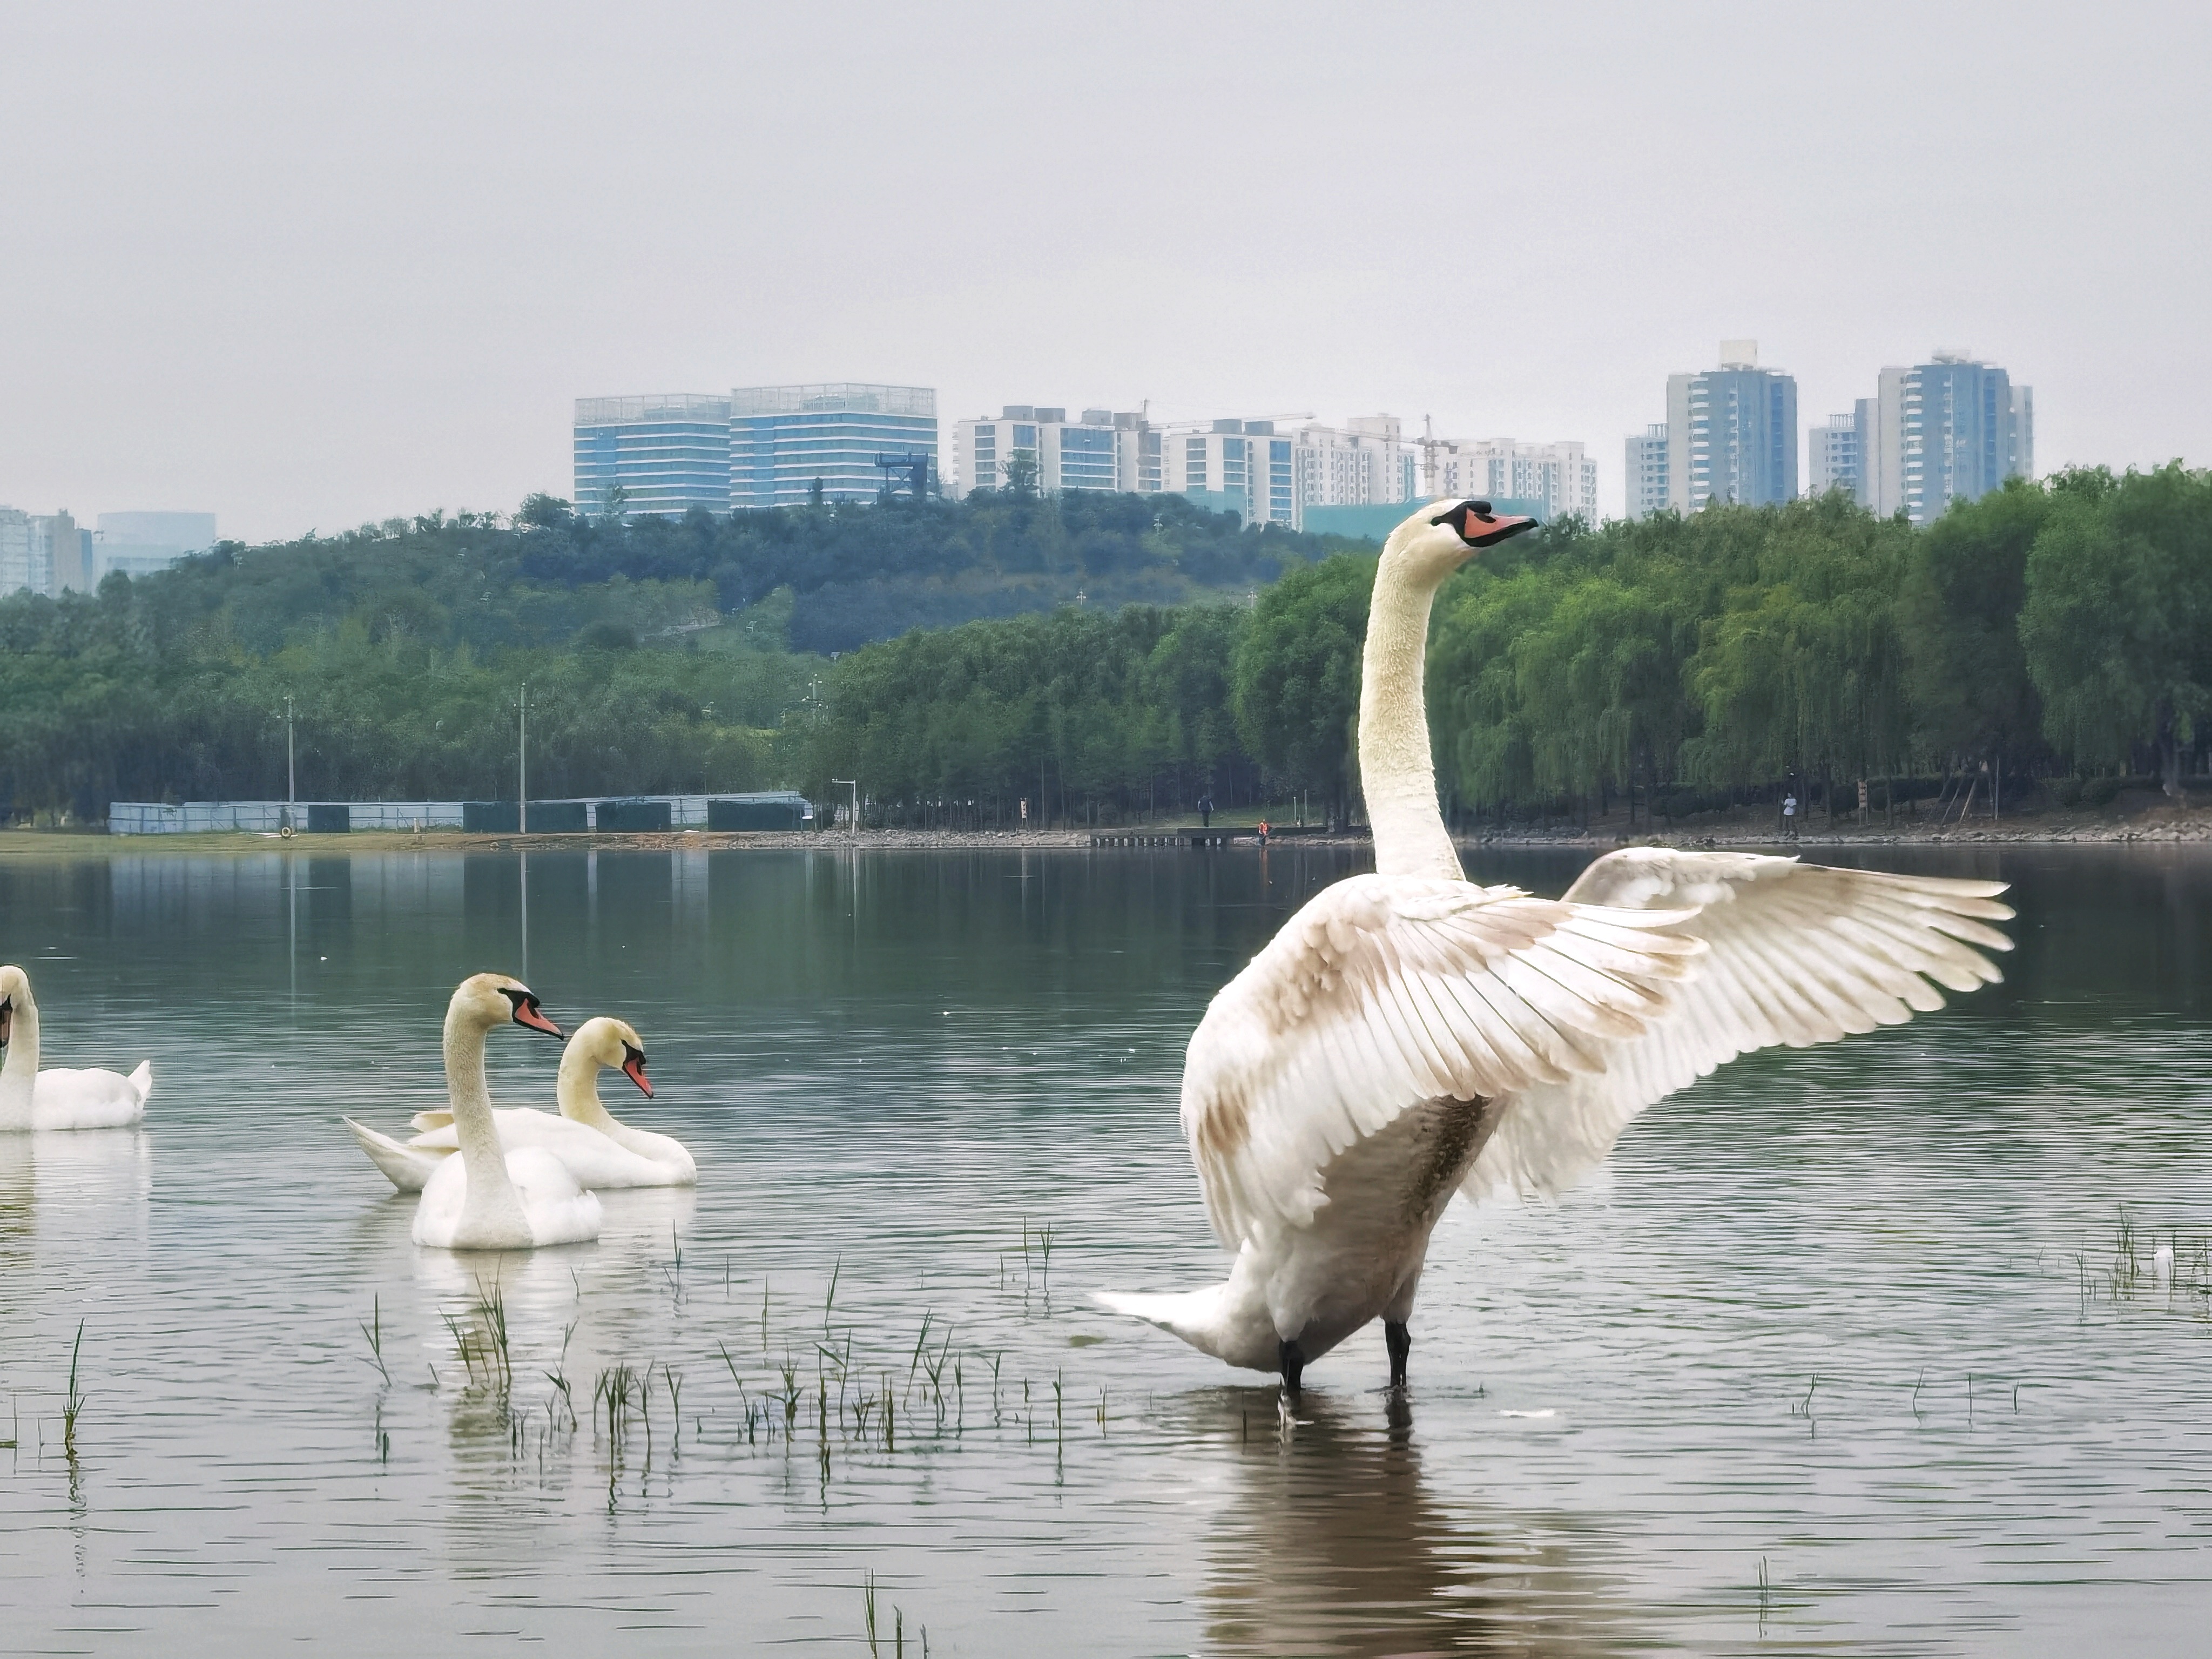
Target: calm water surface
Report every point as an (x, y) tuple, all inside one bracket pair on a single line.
[(1842, 1354)]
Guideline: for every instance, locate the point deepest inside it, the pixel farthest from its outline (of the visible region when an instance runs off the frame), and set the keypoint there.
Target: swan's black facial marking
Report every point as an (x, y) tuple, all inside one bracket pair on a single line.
[(633, 1068), (527, 1011), (7, 1019)]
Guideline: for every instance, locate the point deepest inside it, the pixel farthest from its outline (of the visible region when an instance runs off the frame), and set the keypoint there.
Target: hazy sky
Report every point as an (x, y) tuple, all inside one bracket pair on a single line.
[(305, 265)]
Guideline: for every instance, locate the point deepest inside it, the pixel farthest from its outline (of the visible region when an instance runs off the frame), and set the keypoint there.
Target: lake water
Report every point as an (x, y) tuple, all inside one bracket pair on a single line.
[(1846, 1351)]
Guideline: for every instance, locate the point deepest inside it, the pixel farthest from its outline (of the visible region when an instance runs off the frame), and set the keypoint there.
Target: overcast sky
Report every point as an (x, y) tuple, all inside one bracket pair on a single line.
[(307, 266)]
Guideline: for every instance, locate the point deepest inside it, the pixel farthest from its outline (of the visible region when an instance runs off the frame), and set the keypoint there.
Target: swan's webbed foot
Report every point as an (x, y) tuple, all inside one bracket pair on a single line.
[(1292, 1360), (1399, 1341)]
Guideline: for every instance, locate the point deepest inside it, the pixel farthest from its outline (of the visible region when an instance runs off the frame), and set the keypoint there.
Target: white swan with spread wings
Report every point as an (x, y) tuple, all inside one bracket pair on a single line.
[(1408, 1035)]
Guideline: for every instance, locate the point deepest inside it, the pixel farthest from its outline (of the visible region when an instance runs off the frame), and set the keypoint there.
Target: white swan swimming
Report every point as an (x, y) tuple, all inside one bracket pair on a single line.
[(489, 1198), (599, 1149), (59, 1097), (1408, 1035)]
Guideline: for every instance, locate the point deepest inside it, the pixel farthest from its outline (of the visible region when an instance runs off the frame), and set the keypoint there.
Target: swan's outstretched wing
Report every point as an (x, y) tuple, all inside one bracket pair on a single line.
[(1799, 954), (1386, 991)]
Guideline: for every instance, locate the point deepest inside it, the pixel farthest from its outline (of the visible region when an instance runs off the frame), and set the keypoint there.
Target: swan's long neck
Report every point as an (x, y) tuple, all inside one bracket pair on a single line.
[(577, 1089), (1396, 771), (19, 1077), (490, 1193)]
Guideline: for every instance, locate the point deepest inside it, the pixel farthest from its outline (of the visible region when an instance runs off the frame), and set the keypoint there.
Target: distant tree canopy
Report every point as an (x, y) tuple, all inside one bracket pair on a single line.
[(2064, 626)]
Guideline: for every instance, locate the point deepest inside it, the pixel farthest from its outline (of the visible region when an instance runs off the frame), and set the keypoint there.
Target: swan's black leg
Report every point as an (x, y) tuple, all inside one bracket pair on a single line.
[(1399, 1341), (1293, 1361)]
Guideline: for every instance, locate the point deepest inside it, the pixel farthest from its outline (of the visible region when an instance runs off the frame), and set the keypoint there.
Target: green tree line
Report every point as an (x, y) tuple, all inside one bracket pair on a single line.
[(2044, 630), (2048, 630)]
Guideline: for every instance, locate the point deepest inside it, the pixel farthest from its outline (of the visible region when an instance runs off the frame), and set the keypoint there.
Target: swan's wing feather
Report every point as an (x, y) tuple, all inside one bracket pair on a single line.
[(1384, 992), (1797, 954)]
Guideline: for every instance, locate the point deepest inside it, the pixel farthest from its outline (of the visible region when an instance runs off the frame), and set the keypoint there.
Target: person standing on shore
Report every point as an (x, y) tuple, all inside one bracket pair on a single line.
[(1790, 815), (1205, 812)]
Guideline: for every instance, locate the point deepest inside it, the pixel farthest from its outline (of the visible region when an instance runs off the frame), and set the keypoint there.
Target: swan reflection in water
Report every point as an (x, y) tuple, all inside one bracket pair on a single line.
[(1335, 1544), (72, 1193)]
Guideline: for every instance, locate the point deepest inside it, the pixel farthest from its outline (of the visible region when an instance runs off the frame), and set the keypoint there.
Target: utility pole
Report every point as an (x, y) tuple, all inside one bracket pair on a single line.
[(291, 770), (522, 766)]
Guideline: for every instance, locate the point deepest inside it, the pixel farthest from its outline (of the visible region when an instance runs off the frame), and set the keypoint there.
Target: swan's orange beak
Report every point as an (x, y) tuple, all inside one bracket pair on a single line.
[(633, 1068), (526, 1012), (1478, 526)]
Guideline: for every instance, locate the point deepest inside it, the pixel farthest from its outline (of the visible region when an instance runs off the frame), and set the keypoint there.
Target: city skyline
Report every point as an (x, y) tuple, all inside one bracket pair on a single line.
[(312, 268)]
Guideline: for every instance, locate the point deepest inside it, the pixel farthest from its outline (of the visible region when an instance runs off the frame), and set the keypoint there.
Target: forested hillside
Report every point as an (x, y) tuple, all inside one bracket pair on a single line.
[(2061, 631), (660, 655)]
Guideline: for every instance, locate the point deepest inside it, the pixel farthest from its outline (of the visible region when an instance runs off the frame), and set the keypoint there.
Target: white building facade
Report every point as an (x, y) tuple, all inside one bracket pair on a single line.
[(45, 552), (1555, 479), (1647, 470), (1038, 446)]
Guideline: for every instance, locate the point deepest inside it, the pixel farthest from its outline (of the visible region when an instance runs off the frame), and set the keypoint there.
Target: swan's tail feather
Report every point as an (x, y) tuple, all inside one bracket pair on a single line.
[(406, 1168), (426, 1121), (1161, 1311), (1196, 1316), (141, 1080)]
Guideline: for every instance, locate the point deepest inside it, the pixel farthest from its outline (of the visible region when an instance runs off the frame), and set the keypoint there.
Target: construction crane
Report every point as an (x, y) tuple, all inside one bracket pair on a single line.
[(916, 467)]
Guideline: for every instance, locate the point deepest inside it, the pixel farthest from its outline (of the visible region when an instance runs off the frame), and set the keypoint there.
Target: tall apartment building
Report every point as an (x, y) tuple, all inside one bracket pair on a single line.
[(1647, 470), (1835, 454), (1731, 434), (19, 570), (1553, 479), (1103, 450), (663, 453), (46, 552), (791, 443), (1947, 430)]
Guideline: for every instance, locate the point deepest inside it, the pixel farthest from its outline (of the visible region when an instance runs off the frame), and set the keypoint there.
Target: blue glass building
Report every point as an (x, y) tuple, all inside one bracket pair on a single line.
[(667, 454), (784, 441)]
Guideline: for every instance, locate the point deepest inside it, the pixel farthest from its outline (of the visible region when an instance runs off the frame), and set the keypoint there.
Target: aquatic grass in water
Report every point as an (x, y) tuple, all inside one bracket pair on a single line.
[(374, 1331), (73, 1402)]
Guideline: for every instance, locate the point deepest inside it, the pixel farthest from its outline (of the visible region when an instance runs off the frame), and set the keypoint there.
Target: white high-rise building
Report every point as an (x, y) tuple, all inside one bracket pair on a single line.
[(1270, 476), (45, 552), (18, 569), (1647, 470), (1553, 479), (1836, 455), (1252, 468)]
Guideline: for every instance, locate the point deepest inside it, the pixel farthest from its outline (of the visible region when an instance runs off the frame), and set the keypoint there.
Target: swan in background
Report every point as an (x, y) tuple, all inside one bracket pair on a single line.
[(489, 1198), (1408, 1035), (599, 1149), (59, 1097)]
